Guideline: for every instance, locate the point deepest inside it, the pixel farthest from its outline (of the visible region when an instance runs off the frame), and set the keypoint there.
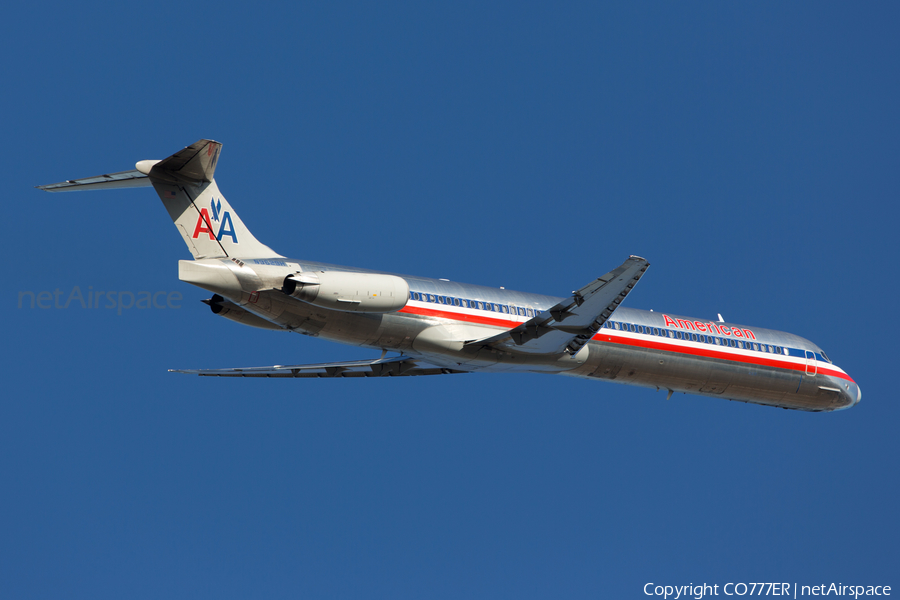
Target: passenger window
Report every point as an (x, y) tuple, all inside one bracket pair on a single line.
[(529, 312), (504, 308)]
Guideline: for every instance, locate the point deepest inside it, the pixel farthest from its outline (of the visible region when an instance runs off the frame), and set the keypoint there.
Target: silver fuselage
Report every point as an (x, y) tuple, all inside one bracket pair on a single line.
[(636, 347)]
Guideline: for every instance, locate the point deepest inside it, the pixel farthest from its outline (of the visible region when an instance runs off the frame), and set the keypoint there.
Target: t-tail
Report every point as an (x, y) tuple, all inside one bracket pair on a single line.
[(185, 184)]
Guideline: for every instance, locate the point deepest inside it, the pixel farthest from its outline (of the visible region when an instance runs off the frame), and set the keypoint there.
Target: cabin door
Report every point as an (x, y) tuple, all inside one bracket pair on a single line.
[(811, 367)]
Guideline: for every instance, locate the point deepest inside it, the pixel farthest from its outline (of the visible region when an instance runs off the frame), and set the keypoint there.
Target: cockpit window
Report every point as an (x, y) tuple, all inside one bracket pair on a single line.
[(825, 356)]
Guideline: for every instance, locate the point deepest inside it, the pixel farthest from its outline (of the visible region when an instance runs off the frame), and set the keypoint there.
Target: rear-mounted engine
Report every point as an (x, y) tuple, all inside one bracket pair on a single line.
[(349, 292)]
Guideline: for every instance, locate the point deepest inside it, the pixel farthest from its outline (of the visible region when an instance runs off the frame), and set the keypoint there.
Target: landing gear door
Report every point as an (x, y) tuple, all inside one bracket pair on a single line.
[(811, 367)]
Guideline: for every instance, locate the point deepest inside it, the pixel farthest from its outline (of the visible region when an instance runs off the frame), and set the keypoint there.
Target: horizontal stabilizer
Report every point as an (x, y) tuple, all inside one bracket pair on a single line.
[(194, 164), (123, 179), (398, 366)]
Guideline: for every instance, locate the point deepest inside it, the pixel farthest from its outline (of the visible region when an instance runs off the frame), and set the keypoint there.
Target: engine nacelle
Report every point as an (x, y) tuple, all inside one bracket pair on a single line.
[(349, 292), (228, 309)]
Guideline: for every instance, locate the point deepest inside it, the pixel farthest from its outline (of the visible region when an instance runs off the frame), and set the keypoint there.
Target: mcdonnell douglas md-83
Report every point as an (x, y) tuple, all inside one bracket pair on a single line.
[(443, 327)]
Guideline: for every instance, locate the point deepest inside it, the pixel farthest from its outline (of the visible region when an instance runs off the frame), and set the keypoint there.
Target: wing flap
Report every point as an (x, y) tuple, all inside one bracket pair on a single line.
[(398, 366)]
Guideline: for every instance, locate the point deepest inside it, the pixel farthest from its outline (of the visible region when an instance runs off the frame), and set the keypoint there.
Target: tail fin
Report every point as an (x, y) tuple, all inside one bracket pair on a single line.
[(185, 184)]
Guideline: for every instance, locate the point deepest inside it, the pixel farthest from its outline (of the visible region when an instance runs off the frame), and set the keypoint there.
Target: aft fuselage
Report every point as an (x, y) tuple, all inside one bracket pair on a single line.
[(656, 350)]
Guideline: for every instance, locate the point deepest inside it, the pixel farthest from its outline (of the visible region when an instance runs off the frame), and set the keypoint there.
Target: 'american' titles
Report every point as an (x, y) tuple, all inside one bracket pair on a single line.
[(708, 327)]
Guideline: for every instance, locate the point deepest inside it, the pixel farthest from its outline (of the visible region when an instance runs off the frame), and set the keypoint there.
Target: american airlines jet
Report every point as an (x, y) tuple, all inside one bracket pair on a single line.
[(442, 327)]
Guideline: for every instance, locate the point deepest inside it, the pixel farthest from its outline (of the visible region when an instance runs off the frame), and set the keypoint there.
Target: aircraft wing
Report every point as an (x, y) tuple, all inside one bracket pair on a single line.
[(568, 325), (396, 366)]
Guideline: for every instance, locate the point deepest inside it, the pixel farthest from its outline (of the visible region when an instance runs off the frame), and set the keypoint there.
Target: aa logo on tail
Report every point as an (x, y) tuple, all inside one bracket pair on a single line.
[(204, 225)]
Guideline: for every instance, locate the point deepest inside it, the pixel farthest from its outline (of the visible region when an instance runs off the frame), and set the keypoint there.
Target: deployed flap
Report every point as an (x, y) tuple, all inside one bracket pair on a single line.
[(380, 367), (568, 325), (122, 179)]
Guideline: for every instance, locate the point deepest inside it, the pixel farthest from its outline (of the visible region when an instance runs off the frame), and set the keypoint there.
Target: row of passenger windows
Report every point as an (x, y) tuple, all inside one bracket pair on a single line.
[(506, 309), (710, 339), (645, 329), (695, 337)]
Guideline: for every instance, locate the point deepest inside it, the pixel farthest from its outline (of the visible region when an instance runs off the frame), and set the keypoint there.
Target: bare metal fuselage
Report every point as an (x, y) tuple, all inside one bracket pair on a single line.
[(634, 347)]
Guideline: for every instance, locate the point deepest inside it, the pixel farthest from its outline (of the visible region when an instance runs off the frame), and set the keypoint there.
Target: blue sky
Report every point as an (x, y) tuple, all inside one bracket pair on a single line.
[(749, 152)]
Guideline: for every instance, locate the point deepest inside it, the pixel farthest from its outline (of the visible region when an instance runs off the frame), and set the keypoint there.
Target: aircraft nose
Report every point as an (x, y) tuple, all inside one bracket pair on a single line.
[(849, 395), (852, 393)]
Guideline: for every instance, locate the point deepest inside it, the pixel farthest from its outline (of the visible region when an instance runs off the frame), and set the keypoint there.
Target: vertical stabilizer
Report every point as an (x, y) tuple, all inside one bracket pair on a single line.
[(185, 184), (208, 224)]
